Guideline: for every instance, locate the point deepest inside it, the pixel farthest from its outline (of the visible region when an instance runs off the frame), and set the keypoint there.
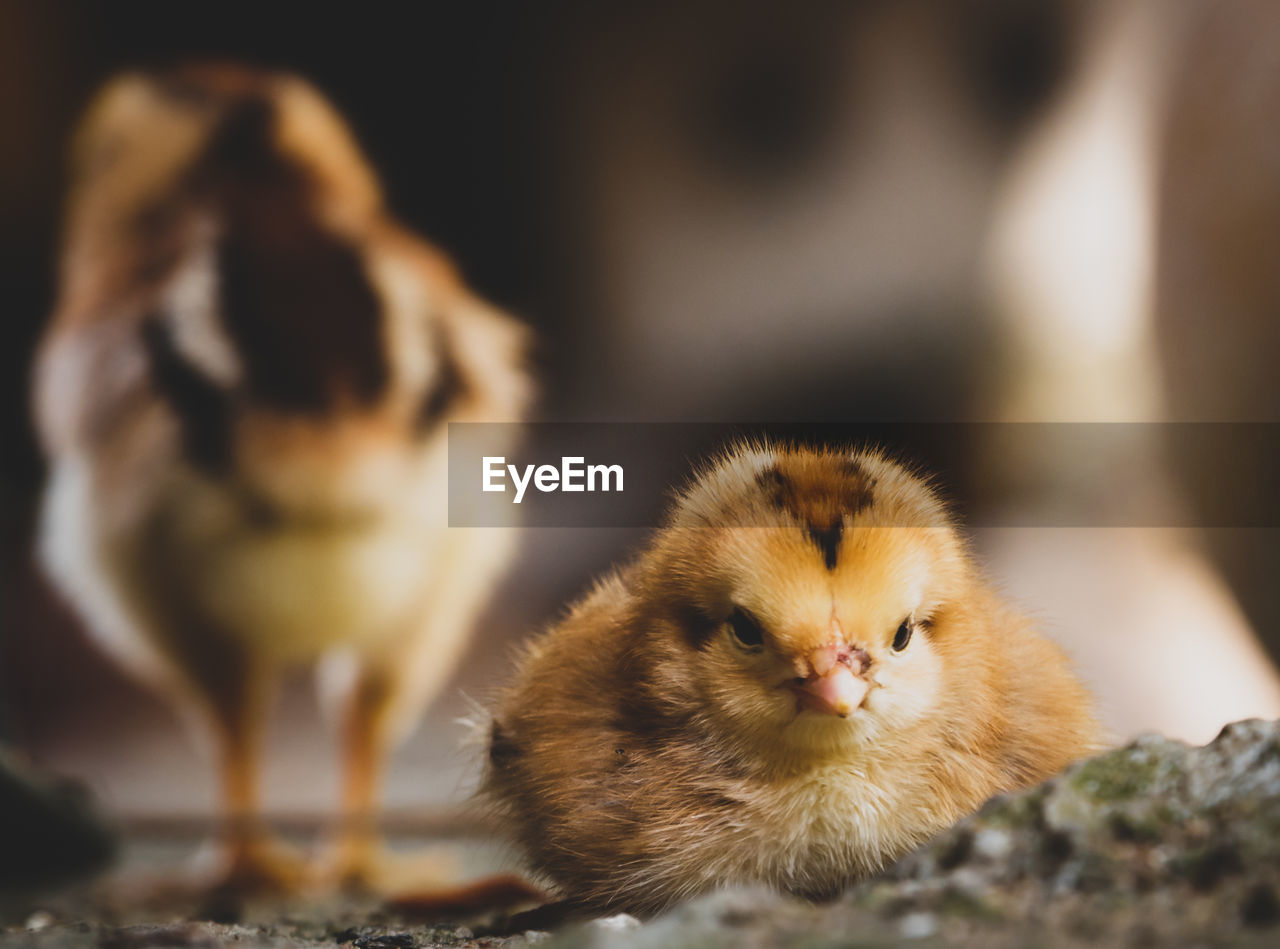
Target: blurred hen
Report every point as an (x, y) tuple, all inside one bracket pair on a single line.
[(244, 395)]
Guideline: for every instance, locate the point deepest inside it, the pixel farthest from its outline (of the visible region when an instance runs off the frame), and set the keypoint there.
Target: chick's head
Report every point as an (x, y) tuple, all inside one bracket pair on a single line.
[(802, 599)]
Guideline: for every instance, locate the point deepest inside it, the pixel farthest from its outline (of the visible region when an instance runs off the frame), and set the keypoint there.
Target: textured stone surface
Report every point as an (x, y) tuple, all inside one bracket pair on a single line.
[(1154, 843)]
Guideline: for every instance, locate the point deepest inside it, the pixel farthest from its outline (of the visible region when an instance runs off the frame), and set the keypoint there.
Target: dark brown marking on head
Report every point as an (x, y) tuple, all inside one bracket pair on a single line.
[(445, 389), (203, 408), (775, 487), (820, 493), (827, 540)]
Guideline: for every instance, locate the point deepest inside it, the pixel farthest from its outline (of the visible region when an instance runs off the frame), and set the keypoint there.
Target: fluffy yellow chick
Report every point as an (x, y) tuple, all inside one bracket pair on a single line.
[(802, 677), (243, 396)]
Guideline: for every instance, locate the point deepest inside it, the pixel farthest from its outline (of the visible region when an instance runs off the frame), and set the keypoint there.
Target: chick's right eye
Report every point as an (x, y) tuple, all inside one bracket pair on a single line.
[(745, 631)]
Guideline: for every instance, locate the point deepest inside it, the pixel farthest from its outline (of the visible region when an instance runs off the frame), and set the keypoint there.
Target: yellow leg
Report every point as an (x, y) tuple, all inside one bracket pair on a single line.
[(364, 754), (360, 860), (255, 862)]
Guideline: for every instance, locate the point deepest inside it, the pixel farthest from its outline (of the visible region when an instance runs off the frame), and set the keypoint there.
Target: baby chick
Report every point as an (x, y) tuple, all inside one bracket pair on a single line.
[(802, 677), (243, 395)]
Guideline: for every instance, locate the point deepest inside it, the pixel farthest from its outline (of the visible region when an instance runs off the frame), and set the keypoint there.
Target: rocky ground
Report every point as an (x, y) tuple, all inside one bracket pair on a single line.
[(1156, 843)]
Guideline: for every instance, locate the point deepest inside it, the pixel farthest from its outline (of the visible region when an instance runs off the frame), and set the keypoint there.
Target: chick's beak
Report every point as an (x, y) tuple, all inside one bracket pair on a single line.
[(833, 687)]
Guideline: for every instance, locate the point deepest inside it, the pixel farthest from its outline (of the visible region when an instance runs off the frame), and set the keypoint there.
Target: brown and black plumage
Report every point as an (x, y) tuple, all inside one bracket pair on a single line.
[(801, 677)]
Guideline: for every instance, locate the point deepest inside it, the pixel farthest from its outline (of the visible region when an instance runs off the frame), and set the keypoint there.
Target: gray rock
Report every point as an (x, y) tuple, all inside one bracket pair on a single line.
[(1153, 843)]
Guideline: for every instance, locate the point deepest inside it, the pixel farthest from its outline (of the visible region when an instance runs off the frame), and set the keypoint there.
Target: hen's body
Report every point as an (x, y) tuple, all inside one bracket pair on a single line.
[(244, 396), (640, 760)]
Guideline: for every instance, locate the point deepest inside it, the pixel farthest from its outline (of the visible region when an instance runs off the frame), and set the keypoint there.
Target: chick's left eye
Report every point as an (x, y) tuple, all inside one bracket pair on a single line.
[(903, 635), (745, 630)]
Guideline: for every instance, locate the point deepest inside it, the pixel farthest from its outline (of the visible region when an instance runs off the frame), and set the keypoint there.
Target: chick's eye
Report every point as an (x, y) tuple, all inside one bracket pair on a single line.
[(903, 635), (745, 631)]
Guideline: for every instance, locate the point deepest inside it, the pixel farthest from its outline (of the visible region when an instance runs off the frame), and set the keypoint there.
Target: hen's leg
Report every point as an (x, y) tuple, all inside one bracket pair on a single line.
[(366, 744), (238, 696), (384, 702), (390, 688)]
